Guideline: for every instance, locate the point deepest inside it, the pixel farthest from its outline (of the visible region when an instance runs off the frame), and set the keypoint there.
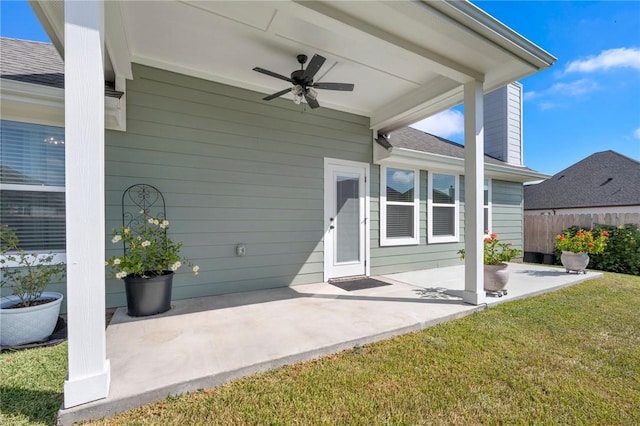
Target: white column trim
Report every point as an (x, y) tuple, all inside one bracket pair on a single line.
[(89, 370), (474, 193)]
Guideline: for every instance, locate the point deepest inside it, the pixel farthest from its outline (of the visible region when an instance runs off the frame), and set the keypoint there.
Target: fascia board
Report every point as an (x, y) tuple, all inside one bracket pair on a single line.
[(484, 24), (35, 103)]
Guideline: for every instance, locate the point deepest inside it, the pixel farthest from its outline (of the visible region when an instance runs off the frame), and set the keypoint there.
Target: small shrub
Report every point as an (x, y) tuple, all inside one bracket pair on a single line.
[(622, 254)]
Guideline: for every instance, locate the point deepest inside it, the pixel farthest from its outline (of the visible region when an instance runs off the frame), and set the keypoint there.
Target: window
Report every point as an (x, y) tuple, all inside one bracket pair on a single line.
[(487, 206), (32, 184), (443, 219), (399, 206)]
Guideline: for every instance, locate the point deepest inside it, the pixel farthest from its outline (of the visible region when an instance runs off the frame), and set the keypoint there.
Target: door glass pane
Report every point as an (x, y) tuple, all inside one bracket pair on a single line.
[(347, 220)]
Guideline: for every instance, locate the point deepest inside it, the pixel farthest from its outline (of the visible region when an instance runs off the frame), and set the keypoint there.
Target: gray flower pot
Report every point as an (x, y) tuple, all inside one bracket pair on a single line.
[(26, 325), (575, 261), (495, 277)]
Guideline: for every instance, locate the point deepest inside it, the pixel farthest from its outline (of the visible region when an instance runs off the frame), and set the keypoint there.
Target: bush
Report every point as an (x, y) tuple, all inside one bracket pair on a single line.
[(622, 253), (623, 250)]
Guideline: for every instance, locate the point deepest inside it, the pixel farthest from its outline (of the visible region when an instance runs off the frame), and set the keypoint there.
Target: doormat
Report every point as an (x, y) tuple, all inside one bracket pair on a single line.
[(358, 284)]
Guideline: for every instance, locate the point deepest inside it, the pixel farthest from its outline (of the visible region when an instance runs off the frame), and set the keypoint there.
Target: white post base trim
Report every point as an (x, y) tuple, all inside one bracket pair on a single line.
[(87, 389), (474, 298)]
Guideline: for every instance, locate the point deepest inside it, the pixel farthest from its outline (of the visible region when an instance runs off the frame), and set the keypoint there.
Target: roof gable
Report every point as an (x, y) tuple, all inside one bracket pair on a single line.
[(603, 179)]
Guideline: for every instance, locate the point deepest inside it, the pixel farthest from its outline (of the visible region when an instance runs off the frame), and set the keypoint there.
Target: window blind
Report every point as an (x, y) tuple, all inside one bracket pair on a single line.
[(400, 205), (32, 184)]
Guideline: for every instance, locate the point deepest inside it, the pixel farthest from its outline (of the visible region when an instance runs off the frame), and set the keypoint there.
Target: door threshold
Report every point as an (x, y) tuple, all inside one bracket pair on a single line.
[(348, 278)]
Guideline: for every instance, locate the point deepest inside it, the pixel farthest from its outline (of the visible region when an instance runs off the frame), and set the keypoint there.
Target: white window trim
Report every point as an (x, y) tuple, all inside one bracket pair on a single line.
[(431, 239), (58, 257), (489, 208), (384, 240)]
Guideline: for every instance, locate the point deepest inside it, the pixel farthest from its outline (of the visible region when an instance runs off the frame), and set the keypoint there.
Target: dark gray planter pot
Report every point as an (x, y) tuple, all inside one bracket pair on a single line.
[(148, 296)]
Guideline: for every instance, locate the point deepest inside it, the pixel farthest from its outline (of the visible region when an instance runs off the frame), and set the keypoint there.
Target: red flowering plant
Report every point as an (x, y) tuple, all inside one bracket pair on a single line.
[(496, 252), (582, 241)]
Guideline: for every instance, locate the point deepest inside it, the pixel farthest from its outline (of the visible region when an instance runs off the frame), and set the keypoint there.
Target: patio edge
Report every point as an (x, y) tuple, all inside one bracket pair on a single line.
[(106, 408)]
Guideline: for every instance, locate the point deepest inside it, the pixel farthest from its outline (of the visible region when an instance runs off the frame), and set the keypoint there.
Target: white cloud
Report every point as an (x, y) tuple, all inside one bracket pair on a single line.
[(636, 133), (612, 58), (402, 178), (574, 88), (445, 124)]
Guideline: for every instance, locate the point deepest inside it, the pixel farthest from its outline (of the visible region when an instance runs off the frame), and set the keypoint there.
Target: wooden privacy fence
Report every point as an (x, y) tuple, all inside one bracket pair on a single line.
[(540, 231)]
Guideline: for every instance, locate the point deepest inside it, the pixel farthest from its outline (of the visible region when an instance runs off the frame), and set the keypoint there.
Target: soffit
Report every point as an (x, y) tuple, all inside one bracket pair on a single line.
[(406, 59)]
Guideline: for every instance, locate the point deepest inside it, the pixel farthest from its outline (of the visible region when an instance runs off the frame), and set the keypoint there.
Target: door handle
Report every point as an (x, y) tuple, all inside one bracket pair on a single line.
[(331, 227)]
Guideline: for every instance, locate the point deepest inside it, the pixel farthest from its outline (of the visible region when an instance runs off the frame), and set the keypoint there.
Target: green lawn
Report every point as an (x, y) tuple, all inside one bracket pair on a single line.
[(569, 357)]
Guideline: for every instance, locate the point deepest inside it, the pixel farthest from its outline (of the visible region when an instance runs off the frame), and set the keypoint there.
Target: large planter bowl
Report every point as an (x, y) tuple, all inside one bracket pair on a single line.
[(495, 277), (26, 325), (148, 296), (575, 261)]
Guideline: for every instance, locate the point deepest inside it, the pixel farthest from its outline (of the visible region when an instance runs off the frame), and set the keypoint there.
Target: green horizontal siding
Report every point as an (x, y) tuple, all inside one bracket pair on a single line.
[(233, 169), (507, 221)]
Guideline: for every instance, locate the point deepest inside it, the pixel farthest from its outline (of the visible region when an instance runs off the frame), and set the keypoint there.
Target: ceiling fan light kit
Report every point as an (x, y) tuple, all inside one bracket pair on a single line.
[(302, 81)]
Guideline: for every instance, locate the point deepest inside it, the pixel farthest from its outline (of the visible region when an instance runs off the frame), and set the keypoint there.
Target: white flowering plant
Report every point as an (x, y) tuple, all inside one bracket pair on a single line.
[(148, 250)]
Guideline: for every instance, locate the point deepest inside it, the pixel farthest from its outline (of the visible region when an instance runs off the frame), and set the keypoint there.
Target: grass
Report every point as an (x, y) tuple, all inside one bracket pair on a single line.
[(31, 385), (569, 357)]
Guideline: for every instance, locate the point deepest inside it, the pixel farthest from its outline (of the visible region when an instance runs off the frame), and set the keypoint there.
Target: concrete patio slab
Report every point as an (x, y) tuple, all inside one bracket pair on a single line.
[(204, 342)]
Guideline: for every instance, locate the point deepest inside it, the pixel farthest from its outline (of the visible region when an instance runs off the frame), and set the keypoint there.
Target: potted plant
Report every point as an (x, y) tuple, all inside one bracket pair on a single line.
[(496, 254), (576, 248), (147, 265), (30, 314)]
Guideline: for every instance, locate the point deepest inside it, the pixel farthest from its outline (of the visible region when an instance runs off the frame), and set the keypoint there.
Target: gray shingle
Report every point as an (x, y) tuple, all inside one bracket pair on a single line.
[(37, 63), (418, 140), (601, 180)]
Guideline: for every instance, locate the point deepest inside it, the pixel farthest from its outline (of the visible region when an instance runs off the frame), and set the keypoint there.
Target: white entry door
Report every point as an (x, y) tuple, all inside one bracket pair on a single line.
[(346, 201)]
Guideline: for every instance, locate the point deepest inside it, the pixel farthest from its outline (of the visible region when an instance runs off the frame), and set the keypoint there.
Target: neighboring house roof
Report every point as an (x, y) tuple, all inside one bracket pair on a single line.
[(416, 140), (36, 63), (603, 179)]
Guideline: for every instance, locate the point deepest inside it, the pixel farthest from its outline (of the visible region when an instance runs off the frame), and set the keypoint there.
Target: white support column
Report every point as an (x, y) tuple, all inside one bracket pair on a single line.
[(473, 193), (89, 370)]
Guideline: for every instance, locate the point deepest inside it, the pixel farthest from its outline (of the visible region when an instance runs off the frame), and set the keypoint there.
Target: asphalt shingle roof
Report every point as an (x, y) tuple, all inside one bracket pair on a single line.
[(37, 63), (418, 140), (603, 179)]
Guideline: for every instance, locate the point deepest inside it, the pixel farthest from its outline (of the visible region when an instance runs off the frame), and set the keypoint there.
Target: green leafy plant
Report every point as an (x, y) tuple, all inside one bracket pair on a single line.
[(622, 253), (28, 274), (496, 252), (581, 241), (148, 250)]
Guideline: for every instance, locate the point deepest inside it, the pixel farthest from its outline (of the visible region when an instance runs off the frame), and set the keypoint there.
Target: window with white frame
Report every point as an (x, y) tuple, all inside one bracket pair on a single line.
[(487, 206), (443, 208), (399, 206), (32, 184)]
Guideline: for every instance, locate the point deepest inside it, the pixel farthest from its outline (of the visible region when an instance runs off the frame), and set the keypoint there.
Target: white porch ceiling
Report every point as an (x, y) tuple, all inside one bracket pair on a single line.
[(407, 59)]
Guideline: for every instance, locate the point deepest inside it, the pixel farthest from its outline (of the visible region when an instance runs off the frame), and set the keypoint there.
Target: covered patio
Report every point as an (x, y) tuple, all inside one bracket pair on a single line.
[(205, 342), (185, 73)]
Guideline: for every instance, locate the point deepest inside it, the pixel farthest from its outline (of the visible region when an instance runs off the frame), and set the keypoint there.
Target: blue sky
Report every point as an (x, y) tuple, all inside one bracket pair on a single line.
[(589, 101)]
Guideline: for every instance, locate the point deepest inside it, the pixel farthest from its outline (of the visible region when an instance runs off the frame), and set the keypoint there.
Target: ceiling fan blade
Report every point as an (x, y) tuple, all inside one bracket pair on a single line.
[(346, 87), (277, 94), (311, 102), (272, 74), (313, 67)]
